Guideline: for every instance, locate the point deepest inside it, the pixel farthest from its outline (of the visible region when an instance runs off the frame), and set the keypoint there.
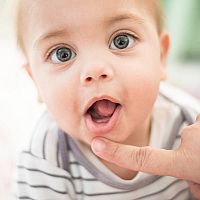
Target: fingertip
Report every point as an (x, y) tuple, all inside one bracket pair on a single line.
[(98, 145)]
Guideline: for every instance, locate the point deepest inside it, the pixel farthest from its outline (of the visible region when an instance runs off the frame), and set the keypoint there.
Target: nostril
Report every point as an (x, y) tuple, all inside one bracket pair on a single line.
[(104, 76), (88, 79)]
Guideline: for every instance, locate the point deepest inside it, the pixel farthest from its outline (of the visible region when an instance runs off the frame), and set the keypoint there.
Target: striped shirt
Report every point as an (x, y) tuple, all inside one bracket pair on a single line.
[(56, 167)]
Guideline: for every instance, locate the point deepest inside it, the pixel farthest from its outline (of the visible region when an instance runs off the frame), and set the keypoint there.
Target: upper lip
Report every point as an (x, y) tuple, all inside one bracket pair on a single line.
[(98, 98)]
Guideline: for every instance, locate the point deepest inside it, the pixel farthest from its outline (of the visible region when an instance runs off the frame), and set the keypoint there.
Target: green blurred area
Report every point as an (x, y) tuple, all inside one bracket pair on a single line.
[(182, 21)]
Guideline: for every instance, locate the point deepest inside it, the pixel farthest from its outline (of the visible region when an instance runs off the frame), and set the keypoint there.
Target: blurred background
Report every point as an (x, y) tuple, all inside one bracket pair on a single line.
[(19, 108), (183, 23)]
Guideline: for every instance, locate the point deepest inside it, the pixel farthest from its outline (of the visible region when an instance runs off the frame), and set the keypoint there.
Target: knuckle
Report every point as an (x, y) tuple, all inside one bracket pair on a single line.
[(115, 153), (140, 157)]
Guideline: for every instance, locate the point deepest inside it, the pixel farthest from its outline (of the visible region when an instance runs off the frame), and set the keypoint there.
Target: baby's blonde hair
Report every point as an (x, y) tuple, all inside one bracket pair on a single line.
[(20, 8)]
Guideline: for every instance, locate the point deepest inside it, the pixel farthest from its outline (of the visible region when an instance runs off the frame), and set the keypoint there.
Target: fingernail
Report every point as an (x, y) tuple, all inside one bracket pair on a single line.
[(98, 145)]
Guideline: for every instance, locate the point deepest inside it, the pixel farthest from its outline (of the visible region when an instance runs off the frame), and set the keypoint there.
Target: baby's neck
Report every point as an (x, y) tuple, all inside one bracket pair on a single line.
[(142, 139)]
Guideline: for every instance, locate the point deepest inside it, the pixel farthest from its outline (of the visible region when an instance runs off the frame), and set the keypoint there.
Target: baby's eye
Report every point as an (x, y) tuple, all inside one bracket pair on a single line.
[(61, 55), (123, 41)]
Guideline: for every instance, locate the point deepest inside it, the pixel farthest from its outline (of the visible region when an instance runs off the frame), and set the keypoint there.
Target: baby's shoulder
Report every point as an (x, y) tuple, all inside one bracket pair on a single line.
[(179, 100), (43, 143)]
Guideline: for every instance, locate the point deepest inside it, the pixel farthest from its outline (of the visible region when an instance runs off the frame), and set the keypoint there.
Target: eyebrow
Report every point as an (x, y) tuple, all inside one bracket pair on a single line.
[(126, 16), (50, 34)]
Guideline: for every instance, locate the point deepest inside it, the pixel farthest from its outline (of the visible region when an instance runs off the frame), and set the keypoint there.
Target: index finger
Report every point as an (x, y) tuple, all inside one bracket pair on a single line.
[(146, 159)]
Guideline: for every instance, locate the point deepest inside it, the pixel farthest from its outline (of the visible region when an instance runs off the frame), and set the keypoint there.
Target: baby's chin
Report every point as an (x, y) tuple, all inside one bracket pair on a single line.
[(86, 137), (120, 141)]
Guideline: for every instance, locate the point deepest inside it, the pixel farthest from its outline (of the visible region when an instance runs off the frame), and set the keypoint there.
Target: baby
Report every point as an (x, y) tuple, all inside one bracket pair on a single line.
[(97, 65)]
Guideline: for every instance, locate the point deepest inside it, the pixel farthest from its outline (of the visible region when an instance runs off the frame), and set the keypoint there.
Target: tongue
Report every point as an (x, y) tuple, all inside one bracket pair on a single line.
[(104, 108)]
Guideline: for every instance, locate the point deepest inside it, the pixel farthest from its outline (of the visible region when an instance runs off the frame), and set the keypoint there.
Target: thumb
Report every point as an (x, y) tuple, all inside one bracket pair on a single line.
[(145, 159)]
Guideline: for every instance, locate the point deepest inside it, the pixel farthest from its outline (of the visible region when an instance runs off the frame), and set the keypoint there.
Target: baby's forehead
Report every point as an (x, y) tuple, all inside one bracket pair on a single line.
[(73, 9), (29, 6)]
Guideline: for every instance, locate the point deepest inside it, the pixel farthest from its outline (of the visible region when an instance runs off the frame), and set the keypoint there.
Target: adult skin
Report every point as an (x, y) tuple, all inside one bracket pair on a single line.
[(183, 163)]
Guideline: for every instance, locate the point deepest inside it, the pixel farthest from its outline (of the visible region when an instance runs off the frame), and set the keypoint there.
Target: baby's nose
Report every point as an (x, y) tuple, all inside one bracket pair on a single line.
[(96, 73)]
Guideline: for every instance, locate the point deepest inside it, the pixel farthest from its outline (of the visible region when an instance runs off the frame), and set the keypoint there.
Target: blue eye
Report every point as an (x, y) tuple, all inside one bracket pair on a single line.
[(123, 41), (61, 55)]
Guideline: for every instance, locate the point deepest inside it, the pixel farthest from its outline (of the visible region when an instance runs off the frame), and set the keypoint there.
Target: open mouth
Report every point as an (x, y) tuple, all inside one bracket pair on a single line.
[(102, 116), (101, 111)]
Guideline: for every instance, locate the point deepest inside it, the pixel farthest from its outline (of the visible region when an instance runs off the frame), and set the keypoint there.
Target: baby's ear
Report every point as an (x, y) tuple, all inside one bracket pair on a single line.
[(28, 70), (164, 50)]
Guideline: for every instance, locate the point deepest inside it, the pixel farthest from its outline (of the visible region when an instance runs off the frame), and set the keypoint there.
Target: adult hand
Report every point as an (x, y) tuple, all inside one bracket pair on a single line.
[(183, 163)]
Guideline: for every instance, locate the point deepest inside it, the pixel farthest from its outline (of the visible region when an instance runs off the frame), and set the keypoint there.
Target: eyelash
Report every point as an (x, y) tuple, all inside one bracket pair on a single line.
[(49, 52), (122, 32), (118, 33)]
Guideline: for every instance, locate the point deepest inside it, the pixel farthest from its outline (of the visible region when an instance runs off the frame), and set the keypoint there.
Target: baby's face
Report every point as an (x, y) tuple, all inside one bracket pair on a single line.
[(97, 64)]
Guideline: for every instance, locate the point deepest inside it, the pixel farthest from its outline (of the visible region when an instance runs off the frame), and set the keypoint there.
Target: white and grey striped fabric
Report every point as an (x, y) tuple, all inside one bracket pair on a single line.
[(55, 167)]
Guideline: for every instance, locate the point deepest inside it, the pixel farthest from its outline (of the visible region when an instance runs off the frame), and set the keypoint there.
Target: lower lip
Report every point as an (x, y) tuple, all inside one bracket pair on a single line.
[(102, 128)]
